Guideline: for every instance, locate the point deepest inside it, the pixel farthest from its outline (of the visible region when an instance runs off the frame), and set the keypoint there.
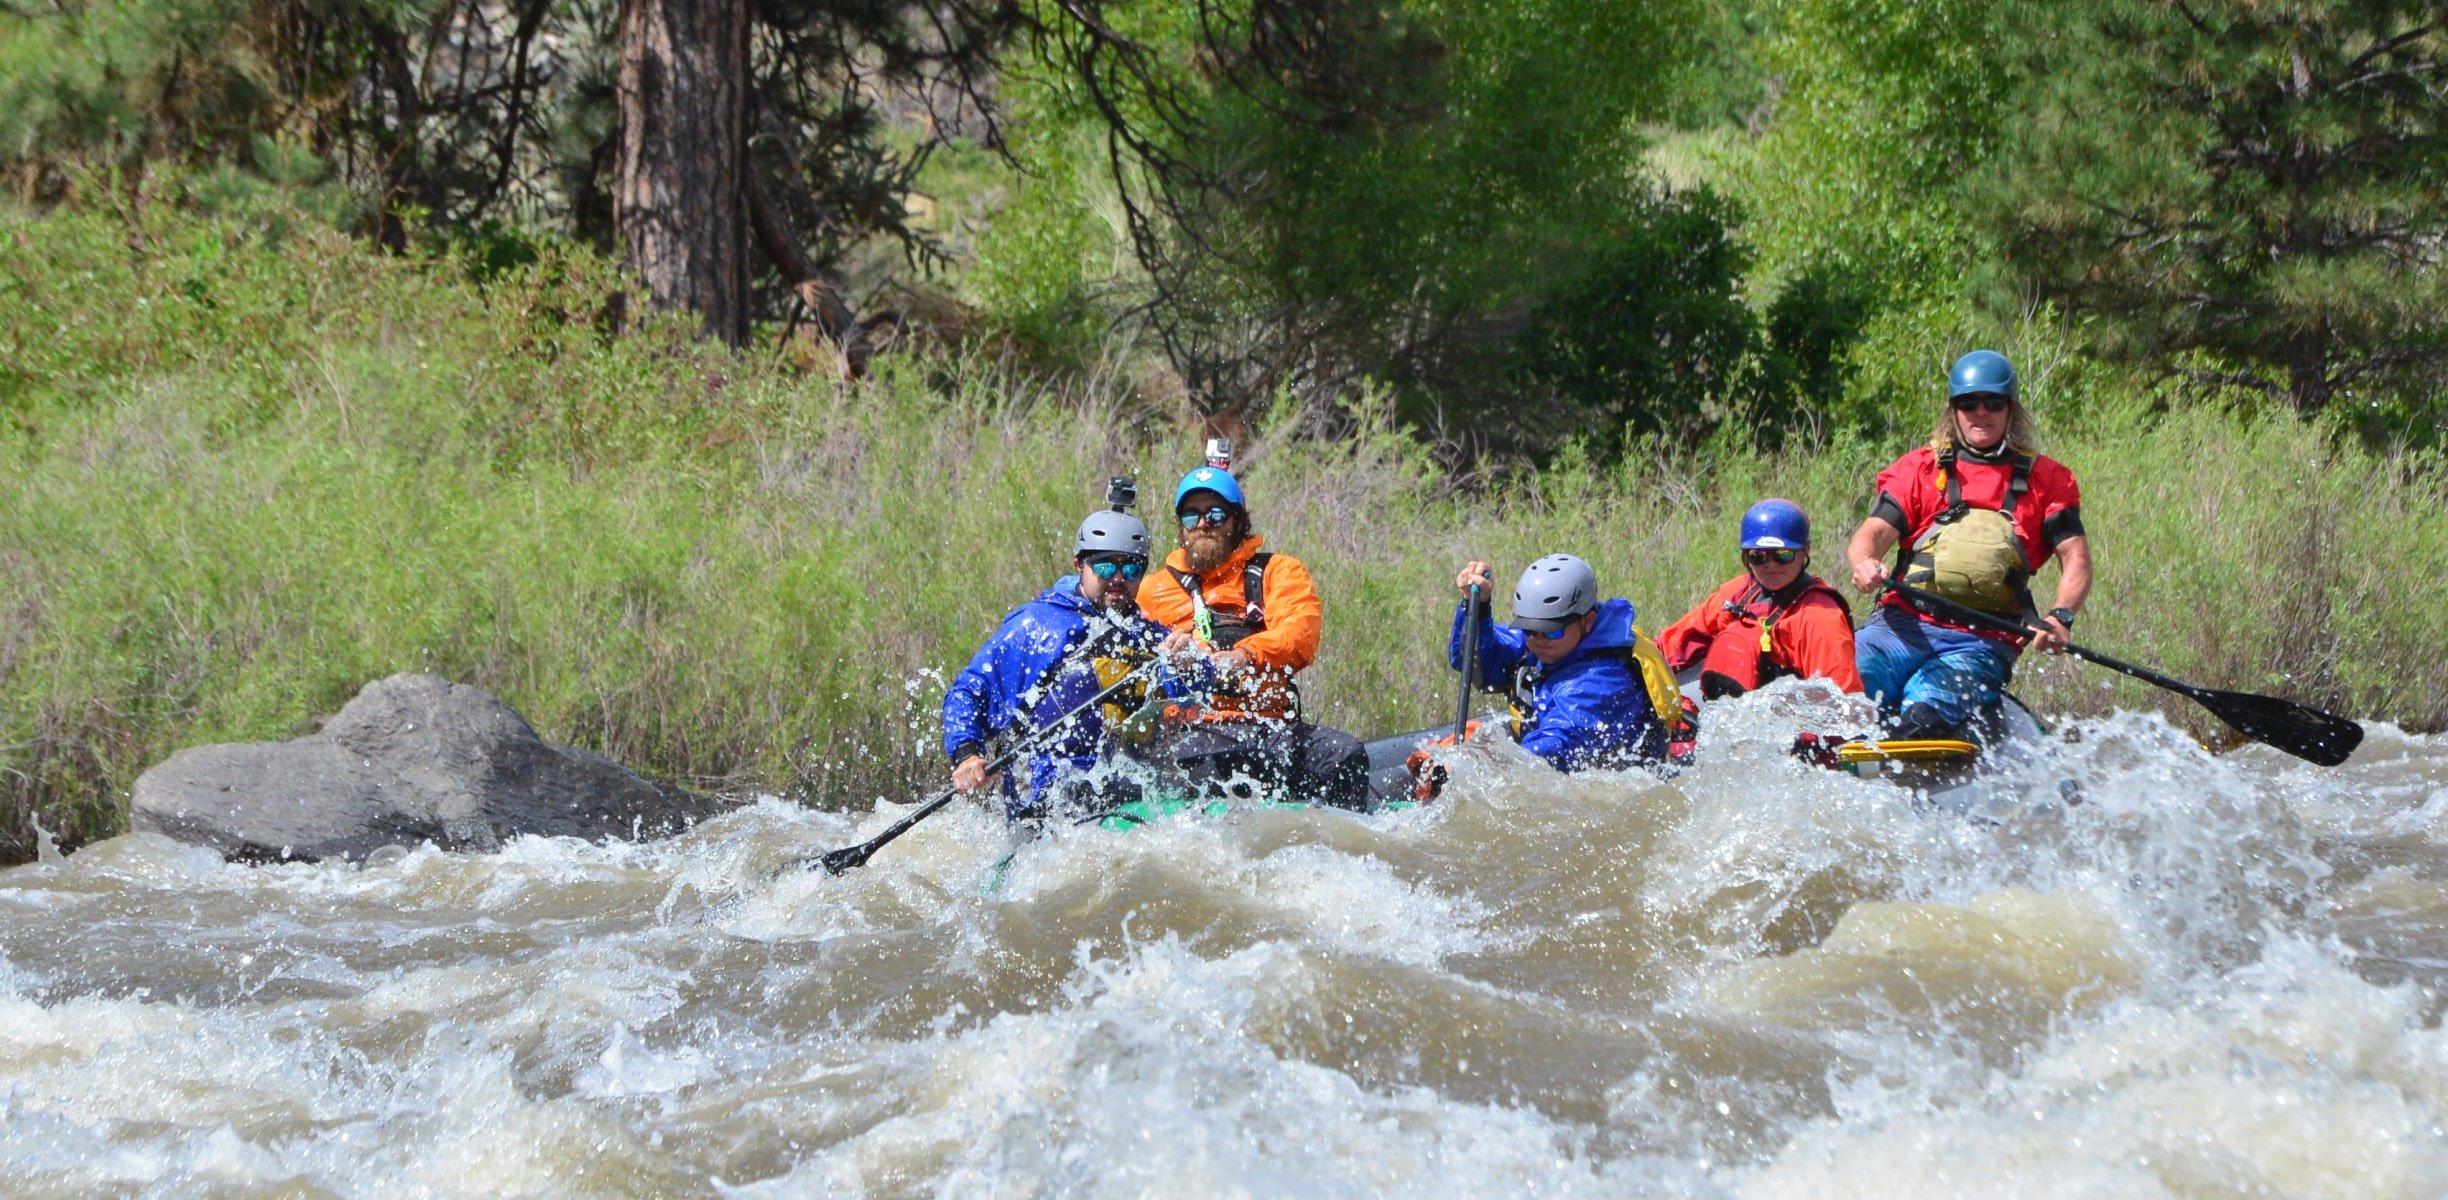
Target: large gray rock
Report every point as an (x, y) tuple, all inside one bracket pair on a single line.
[(412, 759)]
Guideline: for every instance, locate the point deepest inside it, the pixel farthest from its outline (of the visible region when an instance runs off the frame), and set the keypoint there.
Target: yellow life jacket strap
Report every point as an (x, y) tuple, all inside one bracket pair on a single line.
[(1665, 697)]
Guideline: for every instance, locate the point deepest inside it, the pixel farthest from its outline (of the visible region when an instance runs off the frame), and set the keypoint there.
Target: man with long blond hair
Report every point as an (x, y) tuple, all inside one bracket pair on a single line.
[(1980, 511)]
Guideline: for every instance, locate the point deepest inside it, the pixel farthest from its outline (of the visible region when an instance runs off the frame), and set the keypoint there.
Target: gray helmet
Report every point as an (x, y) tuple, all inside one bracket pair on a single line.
[(1553, 593), (1107, 531)]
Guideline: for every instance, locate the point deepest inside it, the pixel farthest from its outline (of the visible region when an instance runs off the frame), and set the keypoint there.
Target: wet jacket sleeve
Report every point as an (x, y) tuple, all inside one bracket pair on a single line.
[(990, 693), (1910, 482), (965, 705), (1686, 641), (1496, 659), (1295, 618), (1815, 638), (2060, 504)]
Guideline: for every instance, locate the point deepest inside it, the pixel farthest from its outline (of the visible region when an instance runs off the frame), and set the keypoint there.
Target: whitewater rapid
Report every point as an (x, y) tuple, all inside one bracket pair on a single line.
[(2209, 976)]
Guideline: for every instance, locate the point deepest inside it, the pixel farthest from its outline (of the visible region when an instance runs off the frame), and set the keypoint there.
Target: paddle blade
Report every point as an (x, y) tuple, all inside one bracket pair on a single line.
[(2307, 733), (847, 857)]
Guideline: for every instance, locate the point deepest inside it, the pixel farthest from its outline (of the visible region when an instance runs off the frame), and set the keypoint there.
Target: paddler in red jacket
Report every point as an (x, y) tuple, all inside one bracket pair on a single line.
[(1774, 620), (1254, 619), (1979, 511)]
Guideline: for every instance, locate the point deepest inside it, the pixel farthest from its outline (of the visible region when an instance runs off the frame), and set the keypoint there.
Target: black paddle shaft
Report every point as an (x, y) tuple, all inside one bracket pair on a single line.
[(2307, 733), (837, 861), (1470, 660)]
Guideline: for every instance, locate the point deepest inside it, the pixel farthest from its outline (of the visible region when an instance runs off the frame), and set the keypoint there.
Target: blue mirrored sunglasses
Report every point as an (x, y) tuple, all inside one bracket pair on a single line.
[(1761, 558), (1552, 635), (1213, 516), (1130, 570)]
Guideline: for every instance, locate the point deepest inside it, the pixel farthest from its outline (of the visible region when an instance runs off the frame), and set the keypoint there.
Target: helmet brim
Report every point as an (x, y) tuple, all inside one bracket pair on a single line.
[(1190, 499)]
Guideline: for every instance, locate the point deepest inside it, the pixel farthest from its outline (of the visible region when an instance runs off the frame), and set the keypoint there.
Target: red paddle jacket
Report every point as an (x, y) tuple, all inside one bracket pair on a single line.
[(1812, 637)]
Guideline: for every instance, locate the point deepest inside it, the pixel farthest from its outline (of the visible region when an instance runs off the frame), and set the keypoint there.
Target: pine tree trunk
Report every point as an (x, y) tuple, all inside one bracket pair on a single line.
[(679, 201), (2308, 384)]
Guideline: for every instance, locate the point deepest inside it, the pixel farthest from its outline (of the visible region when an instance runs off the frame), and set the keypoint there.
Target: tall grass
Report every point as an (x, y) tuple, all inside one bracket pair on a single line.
[(243, 476)]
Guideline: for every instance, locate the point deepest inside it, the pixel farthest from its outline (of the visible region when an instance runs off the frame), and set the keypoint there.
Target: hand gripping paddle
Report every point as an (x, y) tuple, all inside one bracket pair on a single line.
[(2310, 734), (837, 861)]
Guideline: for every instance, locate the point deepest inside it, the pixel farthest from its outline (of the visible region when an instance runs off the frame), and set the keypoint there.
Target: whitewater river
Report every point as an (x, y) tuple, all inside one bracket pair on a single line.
[(2212, 976)]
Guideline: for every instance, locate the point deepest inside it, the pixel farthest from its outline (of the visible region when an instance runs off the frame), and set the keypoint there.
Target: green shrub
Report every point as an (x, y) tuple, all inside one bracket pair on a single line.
[(246, 475)]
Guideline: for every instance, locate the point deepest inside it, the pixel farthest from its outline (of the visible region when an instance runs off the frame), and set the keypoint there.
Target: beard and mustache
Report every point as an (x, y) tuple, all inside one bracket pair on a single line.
[(1207, 547)]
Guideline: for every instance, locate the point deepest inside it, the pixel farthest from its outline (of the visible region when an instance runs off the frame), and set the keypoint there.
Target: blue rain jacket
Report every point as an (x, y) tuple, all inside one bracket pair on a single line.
[(1011, 684), (1588, 710)]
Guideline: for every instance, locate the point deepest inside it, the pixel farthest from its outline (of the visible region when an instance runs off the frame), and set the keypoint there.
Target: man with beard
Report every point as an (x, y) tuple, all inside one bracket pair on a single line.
[(1253, 619), (1050, 656)]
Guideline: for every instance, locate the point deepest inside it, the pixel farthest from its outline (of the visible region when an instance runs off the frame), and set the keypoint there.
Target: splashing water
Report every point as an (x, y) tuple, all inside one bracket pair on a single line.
[(2211, 976)]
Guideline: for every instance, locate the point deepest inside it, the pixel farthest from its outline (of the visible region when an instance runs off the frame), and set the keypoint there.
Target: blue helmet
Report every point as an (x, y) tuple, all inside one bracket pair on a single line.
[(1211, 479), (1776, 525), (1981, 372)]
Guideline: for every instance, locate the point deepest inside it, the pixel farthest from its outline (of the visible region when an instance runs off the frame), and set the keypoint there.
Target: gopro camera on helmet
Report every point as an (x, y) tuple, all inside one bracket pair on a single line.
[(1220, 453), (1121, 492)]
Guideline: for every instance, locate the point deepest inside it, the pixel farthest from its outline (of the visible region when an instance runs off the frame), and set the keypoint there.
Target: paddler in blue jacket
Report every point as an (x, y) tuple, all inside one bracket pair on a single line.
[(1572, 665), (1051, 655)]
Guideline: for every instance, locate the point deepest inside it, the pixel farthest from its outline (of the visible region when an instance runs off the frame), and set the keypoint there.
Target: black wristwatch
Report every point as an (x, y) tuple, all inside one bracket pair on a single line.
[(2063, 616)]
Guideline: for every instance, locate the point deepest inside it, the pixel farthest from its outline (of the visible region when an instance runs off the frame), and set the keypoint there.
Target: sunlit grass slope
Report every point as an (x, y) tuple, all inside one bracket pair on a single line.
[(243, 476)]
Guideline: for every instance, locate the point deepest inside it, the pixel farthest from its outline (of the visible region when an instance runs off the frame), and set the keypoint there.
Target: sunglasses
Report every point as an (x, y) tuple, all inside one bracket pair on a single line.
[(1982, 404), (1761, 558), (1212, 517), (1552, 635), (1130, 570)]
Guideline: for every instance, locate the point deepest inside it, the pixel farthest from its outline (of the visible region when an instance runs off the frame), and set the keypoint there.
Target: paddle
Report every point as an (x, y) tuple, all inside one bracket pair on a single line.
[(837, 861), (1470, 661), (2307, 733)]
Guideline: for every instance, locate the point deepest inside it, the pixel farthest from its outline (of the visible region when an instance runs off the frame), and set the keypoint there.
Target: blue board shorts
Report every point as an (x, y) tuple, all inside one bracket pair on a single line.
[(1905, 660)]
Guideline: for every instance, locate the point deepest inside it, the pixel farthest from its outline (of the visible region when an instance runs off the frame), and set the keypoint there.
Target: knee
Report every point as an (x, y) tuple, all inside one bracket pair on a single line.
[(1923, 722)]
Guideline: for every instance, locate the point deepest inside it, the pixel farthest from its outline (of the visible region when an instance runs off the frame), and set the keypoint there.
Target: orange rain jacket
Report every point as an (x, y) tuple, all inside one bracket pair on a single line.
[(1813, 639), (1294, 619)]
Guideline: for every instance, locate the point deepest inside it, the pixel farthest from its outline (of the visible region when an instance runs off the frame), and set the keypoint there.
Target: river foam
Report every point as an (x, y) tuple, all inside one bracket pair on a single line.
[(2208, 975)]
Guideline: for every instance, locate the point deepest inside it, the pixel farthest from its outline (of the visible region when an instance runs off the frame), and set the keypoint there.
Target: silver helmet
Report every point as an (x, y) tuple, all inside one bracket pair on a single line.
[(1554, 592), (1107, 531)]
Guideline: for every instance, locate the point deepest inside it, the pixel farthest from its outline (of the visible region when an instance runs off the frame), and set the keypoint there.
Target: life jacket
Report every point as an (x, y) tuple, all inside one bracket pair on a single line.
[(1112, 656), (1221, 629), (1971, 555), (1647, 664), (1224, 629), (1742, 656)]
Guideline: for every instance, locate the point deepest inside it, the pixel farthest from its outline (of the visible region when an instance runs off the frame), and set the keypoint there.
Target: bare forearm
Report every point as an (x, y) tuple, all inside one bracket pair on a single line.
[(2073, 572)]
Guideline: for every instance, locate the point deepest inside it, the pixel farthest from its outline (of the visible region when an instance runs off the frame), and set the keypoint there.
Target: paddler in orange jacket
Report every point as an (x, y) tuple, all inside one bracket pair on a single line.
[(1254, 618), (1774, 620)]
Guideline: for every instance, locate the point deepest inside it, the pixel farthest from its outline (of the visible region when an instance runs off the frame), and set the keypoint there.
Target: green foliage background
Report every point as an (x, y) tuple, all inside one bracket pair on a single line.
[(249, 472), (1478, 277)]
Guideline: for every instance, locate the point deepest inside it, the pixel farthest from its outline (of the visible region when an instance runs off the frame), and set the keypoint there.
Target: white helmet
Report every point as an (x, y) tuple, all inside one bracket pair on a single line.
[(1554, 592), (1108, 531)]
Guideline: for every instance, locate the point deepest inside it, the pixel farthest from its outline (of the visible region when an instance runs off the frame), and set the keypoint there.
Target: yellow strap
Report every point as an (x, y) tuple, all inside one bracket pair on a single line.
[(1929, 750), (1664, 696)]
